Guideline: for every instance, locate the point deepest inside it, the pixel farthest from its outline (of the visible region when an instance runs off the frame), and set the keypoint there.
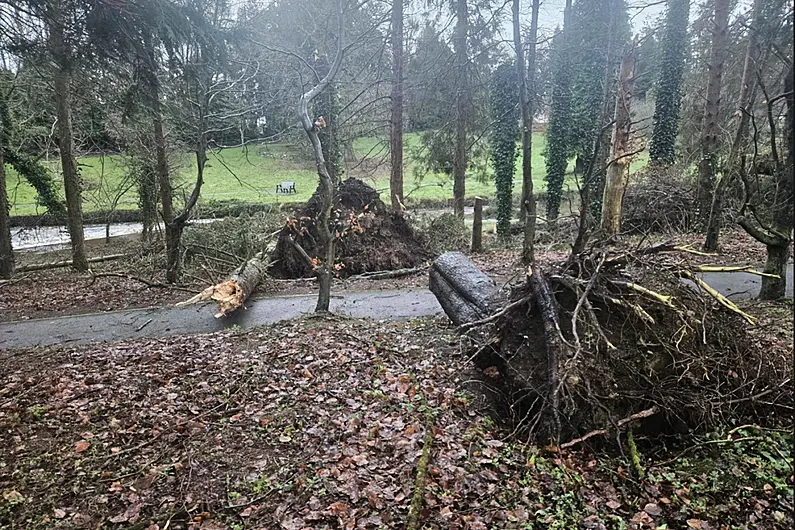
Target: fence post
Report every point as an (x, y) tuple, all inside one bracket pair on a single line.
[(477, 226)]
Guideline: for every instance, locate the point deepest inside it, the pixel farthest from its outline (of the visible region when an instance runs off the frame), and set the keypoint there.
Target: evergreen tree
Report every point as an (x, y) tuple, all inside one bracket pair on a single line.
[(671, 63), (504, 111)]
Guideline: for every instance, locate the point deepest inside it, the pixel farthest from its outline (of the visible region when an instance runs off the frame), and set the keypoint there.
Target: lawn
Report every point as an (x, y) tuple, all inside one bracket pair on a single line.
[(251, 175)]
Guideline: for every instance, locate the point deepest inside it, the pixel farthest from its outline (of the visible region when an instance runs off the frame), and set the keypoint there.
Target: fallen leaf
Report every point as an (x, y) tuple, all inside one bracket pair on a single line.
[(652, 509), (81, 446), (58, 513)]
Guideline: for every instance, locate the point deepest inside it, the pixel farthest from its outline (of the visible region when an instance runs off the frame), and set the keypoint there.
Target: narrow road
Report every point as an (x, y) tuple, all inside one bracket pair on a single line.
[(167, 321)]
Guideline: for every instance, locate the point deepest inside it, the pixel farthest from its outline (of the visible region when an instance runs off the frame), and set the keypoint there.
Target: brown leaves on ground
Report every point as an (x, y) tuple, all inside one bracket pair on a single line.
[(310, 424)]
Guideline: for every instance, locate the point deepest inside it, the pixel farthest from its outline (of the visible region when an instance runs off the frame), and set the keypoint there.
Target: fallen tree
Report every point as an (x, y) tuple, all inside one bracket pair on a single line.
[(67, 263), (613, 338), (232, 293)]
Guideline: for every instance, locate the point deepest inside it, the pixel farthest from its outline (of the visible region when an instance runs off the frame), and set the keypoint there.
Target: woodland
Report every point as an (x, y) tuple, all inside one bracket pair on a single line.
[(280, 264)]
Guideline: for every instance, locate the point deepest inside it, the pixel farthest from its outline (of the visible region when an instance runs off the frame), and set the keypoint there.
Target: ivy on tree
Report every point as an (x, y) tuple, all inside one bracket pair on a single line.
[(505, 115), (671, 63)]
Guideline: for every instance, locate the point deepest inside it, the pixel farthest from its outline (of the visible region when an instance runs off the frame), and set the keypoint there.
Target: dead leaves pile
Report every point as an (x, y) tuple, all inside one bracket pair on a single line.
[(309, 424)]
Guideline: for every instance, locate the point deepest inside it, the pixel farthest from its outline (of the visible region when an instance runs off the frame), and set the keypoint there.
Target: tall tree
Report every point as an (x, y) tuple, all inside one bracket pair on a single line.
[(668, 99), (504, 98), (747, 96), (396, 108), (618, 168), (558, 149), (528, 201), (62, 53), (711, 127), (460, 158), (6, 250)]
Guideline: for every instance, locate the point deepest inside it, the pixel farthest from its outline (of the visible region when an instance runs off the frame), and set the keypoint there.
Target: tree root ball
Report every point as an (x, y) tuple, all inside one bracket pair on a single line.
[(630, 336), (370, 236)]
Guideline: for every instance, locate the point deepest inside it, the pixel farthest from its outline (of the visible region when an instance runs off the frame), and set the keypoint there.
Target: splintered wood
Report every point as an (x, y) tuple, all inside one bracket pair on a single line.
[(231, 294)]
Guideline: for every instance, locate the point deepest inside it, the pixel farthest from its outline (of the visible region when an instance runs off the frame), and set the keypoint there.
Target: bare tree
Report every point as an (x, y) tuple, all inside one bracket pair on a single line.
[(711, 127), (528, 202), (62, 55), (769, 220), (6, 251), (462, 107), (396, 107), (326, 190)]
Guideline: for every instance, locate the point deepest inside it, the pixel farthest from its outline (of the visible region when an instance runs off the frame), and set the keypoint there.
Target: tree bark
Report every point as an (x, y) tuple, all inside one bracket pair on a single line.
[(618, 170), (462, 108), (396, 120), (6, 250), (711, 129), (527, 204), (233, 292), (71, 176), (477, 226), (745, 106), (326, 185), (463, 291)]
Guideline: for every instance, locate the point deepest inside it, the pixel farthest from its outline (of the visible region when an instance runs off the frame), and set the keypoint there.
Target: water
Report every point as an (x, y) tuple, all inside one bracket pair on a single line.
[(24, 239)]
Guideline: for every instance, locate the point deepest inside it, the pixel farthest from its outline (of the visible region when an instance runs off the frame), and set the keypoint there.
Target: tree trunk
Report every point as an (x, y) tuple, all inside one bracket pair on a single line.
[(618, 170), (463, 291), (71, 176), (745, 106), (711, 130), (462, 108), (396, 120), (6, 250), (776, 263), (233, 292), (477, 226), (528, 203)]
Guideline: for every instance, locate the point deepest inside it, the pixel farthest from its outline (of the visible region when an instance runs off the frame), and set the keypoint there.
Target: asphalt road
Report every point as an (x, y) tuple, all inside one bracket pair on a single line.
[(168, 321)]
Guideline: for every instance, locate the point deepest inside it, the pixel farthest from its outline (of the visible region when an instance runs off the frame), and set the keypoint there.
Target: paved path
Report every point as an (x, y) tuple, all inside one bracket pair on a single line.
[(167, 321)]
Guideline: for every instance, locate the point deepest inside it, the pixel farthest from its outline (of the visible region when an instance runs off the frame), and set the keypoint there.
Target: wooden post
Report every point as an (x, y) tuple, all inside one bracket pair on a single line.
[(477, 226)]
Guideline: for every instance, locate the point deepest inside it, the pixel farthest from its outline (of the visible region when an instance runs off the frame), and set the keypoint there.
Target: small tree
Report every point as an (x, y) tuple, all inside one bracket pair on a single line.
[(504, 113)]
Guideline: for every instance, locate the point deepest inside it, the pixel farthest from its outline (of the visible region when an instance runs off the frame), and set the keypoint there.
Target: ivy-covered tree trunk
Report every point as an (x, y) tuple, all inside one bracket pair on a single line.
[(462, 107), (618, 170), (396, 108), (557, 128), (71, 177), (662, 149), (504, 98), (711, 128)]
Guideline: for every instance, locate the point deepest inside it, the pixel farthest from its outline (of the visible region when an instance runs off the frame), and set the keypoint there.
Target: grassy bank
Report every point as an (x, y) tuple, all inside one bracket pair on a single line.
[(251, 175)]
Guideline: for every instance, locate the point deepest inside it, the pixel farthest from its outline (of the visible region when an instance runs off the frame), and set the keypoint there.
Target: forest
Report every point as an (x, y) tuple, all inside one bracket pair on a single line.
[(461, 264)]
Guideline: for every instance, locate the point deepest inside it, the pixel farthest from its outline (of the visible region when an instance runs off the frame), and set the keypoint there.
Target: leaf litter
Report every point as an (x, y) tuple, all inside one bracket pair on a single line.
[(312, 424)]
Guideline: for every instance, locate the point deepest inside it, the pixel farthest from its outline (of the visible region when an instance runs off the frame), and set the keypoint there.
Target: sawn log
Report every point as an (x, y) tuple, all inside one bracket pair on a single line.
[(463, 291)]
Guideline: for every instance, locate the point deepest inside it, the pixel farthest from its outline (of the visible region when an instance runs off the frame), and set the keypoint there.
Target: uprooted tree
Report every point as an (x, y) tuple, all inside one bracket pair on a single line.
[(612, 338)]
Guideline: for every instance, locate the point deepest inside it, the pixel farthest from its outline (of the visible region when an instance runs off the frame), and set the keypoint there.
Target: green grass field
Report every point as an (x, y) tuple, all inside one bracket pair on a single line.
[(252, 174)]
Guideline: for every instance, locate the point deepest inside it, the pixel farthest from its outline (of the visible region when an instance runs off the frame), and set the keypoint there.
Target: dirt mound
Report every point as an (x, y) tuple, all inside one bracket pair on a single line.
[(630, 338), (371, 236)]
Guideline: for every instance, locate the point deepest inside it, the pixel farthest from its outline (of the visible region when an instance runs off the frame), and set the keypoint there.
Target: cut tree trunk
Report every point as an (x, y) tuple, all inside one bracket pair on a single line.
[(463, 291), (233, 292)]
